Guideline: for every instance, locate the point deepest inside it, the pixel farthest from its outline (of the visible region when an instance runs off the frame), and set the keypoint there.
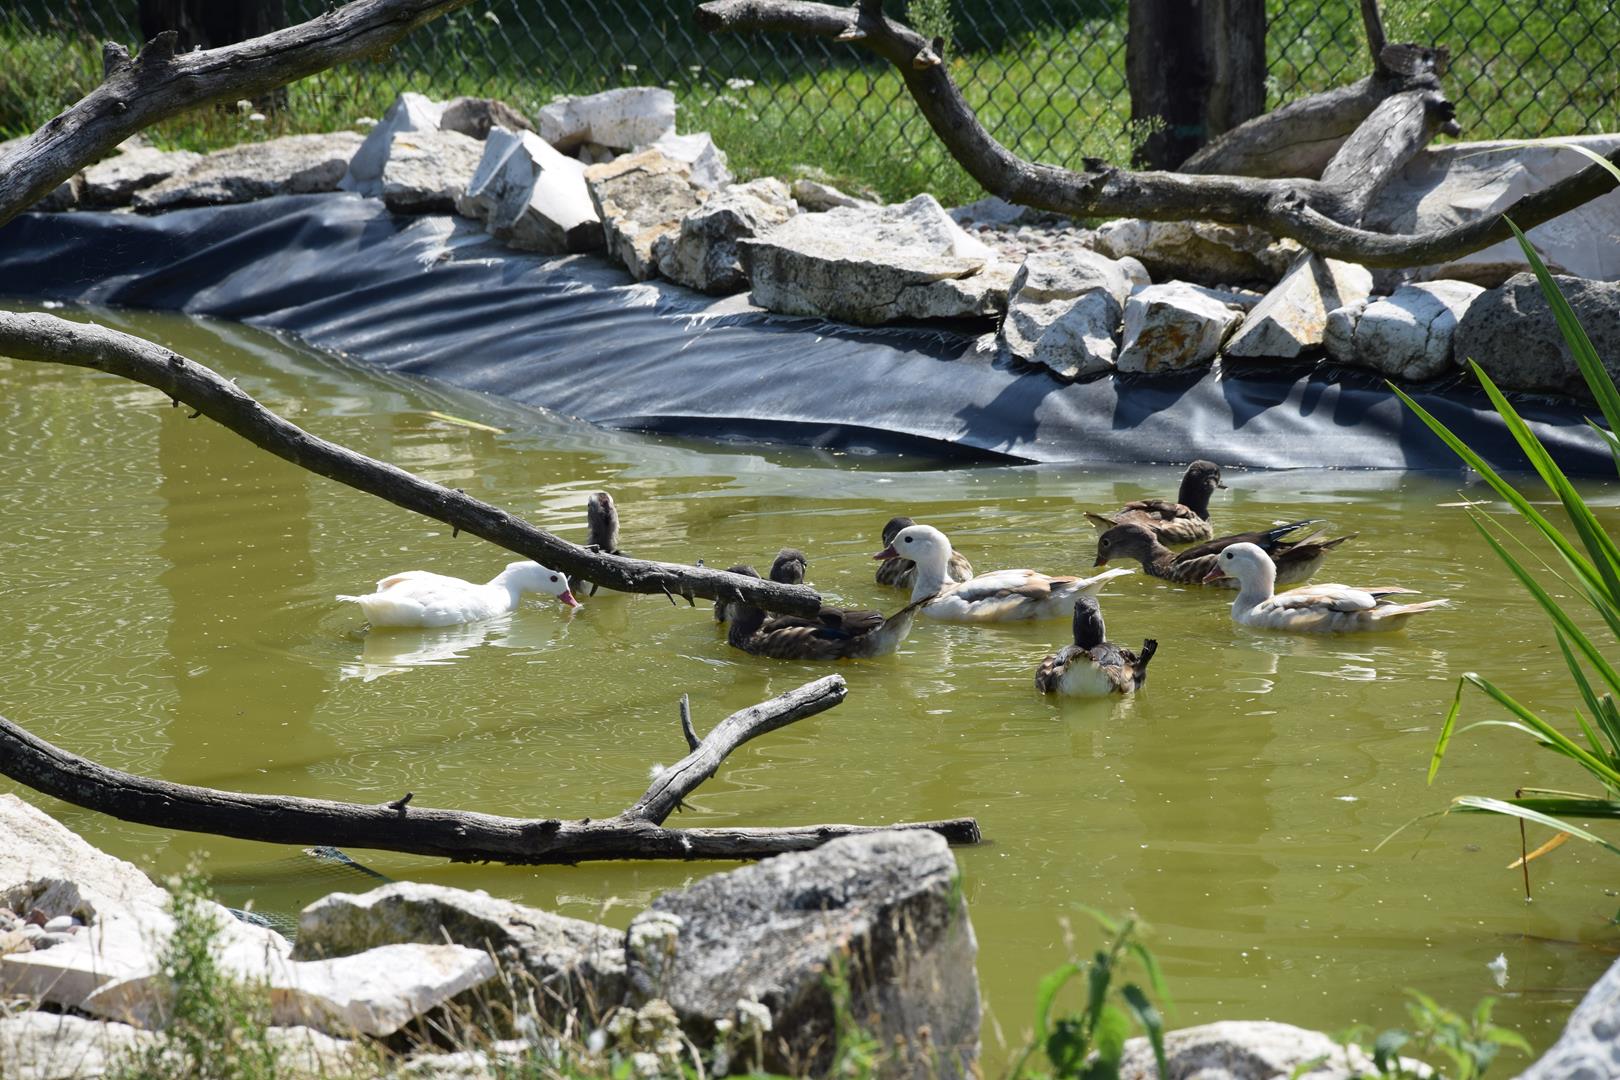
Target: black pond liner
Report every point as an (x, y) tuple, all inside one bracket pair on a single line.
[(432, 296)]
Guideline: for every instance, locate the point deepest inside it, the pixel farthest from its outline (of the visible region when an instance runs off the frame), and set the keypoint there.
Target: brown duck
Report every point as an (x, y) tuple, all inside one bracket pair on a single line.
[(834, 634), (1296, 560), (901, 573), (788, 569), (1093, 666), (601, 533), (1185, 521)]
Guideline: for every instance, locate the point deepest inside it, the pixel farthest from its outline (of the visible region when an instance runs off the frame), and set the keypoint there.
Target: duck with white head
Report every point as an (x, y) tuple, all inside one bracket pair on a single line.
[(1313, 609), (420, 598), (999, 596)]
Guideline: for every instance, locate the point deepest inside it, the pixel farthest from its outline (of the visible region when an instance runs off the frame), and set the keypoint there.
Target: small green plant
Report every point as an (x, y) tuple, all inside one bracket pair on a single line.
[(932, 19), (1593, 561), (218, 1028), (1468, 1043), (1089, 1044)]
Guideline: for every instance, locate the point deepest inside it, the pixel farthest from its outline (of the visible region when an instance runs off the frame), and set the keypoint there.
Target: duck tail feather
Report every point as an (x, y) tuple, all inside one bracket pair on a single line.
[(1099, 520)]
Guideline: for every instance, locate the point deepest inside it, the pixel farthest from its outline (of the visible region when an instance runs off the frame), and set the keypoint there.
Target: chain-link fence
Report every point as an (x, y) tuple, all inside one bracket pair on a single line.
[(1047, 76)]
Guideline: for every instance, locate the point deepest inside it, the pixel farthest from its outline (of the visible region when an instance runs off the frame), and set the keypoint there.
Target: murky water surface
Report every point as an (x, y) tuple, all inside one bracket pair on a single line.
[(170, 611)]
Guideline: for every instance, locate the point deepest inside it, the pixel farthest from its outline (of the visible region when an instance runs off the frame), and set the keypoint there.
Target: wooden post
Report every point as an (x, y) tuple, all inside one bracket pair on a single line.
[(1196, 68)]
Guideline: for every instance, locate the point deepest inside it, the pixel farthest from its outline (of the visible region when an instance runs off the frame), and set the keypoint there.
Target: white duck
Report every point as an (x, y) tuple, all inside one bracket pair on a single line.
[(999, 596), (418, 598), (1313, 609)]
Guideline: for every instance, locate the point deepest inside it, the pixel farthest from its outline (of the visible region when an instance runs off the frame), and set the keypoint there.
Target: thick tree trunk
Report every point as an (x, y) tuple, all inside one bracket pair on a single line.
[(1196, 68), (459, 835), (208, 24)]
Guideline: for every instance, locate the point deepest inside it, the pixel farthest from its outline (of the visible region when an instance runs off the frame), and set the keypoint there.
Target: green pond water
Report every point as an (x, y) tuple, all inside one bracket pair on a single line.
[(169, 610)]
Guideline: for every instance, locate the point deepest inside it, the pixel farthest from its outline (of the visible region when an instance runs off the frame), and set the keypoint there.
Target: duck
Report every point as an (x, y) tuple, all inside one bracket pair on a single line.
[(1093, 666), (1185, 521), (420, 598), (900, 573), (601, 533), (789, 568), (834, 634), (1296, 560), (1314, 609), (999, 596)]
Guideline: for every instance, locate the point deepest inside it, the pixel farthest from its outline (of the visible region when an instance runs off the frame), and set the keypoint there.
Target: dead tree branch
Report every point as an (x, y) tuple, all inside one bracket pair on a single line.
[(459, 835), (1320, 215), (49, 339), (159, 83)]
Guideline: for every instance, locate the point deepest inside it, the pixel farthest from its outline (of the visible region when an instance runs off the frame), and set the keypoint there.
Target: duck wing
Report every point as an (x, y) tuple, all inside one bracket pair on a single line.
[(1149, 511), (849, 623), (1267, 540), (1328, 597), (1050, 672), (424, 578)]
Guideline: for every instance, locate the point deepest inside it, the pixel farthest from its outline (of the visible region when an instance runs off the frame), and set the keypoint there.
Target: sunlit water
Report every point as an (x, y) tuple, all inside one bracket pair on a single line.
[(169, 610)]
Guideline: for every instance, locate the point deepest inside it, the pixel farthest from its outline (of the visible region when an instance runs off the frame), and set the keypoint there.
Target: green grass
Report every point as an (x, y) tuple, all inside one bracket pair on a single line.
[(1048, 80)]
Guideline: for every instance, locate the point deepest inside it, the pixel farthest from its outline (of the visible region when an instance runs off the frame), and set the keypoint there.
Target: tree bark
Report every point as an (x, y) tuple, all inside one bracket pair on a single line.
[(458, 835), (1320, 216), (161, 82), (207, 24), (1196, 68), (46, 338)]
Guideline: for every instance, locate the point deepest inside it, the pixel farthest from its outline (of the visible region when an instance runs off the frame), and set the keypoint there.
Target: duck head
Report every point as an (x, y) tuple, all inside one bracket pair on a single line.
[(922, 544), (1128, 541), (602, 522), (1198, 483), (1247, 563), (892, 529), (726, 609), (790, 567), (1088, 622), (531, 577)]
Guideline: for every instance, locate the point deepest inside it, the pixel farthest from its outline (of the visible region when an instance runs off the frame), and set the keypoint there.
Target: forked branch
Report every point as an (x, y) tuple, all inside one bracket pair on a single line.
[(459, 835), (1322, 216), (52, 340)]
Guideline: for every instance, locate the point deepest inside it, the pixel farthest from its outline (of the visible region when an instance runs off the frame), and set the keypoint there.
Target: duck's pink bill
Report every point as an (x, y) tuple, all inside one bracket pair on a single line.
[(887, 553), (1213, 575), (568, 600)]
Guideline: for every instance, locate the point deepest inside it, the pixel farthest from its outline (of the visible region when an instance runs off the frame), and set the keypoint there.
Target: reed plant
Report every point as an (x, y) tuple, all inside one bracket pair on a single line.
[(1587, 563)]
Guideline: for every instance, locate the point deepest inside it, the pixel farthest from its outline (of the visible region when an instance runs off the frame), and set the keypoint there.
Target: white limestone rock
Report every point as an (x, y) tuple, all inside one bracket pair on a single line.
[(814, 196), (706, 161), (1198, 251), (290, 165), (114, 181), (1510, 332), (1064, 310), (876, 265), (1292, 318), (1407, 335), (428, 170), (620, 119), (530, 196), (1453, 184), (641, 197), (703, 254), (1174, 326), (1252, 1050), (57, 1046), (1588, 1049), (409, 112)]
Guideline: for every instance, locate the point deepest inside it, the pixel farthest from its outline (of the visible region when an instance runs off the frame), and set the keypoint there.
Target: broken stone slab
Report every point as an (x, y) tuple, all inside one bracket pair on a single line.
[(114, 181), (641, 197), (1292, 318), (58, 1046), (409, 112), (290, 165), (876, 265), (885, 906), (375, 992), (1202, 252), (476, 117), (1252, 1050), (814, 196), (1174, 327), (620, 119), (1510, 332), (428, 170), (706, 161), (1064, 309), (1445, 186), (1587, 1049), (1406, 335), (530, 196), (571, 962), (703, 254)]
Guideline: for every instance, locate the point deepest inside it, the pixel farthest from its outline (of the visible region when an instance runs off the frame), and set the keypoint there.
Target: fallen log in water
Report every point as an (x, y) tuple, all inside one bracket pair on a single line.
[(459, 835)]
